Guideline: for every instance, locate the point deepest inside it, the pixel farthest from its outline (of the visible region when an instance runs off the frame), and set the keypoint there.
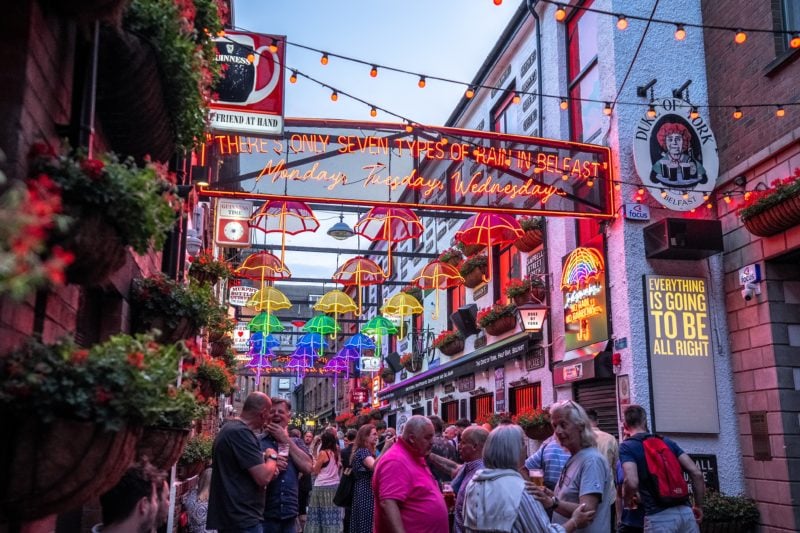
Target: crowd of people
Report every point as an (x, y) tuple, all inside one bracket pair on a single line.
[(269, 478)]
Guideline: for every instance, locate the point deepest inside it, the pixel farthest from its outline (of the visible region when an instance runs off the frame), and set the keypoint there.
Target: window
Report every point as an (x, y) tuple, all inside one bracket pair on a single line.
[(525, 397), (456, 297), (501, 116), (583, 78), (588, 230), (786, 18), (450, 412), (482, 406), (509, 265)]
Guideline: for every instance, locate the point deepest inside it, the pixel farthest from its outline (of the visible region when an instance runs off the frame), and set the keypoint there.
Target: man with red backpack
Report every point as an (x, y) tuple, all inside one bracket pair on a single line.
[(653, 467)]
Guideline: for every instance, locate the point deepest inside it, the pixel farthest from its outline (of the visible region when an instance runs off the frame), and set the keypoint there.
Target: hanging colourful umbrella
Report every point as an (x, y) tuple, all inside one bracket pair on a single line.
[(337, 365), (390, 224), (402, 304), (265, 323), (315, 341), (360, 272), (322, 324), (489, 229), (336, 303), (268, 299), (379, 326), (360, 343), (270, 342), (350, 353), (287, 217), (259, 360), (263, 266), (437, 276)]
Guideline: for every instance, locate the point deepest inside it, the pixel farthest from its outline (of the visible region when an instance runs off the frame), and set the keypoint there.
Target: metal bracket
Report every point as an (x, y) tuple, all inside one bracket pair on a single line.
[(641, 90), (678, 93)]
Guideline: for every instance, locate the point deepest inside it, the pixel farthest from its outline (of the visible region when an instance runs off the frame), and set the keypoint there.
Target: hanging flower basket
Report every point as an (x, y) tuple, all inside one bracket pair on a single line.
[(452, 256), (774, 219), (473, 270), (172, 334), (452, 347), (540, 432), (498, 319), (48, 468), (529, 240), (472, 249), (219, 348), (162, 446), (772, 210), (501, 325)]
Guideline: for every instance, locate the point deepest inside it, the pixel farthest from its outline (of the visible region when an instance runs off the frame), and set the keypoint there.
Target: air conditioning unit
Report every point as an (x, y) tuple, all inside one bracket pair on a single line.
[(680, 238)]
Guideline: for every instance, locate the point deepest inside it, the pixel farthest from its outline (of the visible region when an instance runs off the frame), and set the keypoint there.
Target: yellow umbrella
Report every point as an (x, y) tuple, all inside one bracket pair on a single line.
[(336, 303), (402, 304), (269, 299)]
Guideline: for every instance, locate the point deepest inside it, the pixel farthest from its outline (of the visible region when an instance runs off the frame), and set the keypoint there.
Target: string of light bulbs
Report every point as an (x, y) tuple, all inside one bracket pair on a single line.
[(739, 33), (472, 88)]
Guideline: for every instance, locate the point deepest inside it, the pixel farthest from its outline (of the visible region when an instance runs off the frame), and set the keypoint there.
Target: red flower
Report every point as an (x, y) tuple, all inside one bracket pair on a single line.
[(79, 356), (136, 360), (42, 149), (102, 396), (92, 168)]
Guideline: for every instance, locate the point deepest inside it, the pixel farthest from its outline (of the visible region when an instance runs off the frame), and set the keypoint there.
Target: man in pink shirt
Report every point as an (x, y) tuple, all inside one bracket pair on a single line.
[(407, 497)]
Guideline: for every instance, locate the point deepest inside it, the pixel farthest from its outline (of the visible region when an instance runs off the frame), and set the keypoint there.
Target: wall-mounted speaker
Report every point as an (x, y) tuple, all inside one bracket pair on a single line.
[(464, 319), (393, 360), (685, 239)]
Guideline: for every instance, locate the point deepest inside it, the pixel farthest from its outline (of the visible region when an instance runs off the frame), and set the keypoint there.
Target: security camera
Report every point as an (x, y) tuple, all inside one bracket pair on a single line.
[(749, 290)]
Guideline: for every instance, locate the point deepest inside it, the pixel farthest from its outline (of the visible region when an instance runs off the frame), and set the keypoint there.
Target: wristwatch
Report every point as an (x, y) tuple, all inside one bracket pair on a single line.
[(273, 456), (555, 504)]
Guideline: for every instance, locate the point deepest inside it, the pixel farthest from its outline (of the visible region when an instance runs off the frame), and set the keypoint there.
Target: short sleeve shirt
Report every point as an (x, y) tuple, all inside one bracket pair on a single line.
[(551, 458), (587, 472), (283, 492), (400, 475), (235, 500), (632, 451)]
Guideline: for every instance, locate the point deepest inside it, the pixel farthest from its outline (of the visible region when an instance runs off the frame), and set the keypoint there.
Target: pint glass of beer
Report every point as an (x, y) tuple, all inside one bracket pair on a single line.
[(537, 476)]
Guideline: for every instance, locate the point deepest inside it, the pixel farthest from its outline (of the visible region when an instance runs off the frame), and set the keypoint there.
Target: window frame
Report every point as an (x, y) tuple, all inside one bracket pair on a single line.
[(574, 79)]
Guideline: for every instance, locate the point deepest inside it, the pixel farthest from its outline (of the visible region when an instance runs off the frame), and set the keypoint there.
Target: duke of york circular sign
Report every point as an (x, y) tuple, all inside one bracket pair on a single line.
[(677, 154)]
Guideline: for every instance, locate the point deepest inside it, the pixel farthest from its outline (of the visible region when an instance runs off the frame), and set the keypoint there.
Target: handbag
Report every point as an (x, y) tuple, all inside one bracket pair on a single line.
[(344, 492)]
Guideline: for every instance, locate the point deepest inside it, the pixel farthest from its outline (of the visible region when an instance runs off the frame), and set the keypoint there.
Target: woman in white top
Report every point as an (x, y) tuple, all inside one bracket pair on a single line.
[(323, 515)]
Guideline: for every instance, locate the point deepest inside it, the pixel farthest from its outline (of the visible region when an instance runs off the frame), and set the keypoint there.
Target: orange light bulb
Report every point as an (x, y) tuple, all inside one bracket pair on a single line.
[(564, 104), (373, 112), (251, 58), (334, 96), (740, 37), (780, 112), (324, 59), (421, 82), (293, 77), (516, 98), (469, 93), (680, 33), (560, 14), (694, 113), (622, 23), (607, 109), (737, 113), (795, 42), (373, 72), (273, 46)]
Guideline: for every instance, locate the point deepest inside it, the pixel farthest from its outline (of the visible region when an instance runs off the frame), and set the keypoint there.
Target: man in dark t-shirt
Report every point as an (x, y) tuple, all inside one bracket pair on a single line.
[(241, 471)]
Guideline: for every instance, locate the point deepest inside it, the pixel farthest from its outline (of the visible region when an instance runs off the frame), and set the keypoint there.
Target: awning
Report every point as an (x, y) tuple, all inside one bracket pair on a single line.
[(583, 368), (486, 357)]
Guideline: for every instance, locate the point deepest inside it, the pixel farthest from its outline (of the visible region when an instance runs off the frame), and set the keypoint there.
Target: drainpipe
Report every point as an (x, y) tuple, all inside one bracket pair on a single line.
[(540, 120)]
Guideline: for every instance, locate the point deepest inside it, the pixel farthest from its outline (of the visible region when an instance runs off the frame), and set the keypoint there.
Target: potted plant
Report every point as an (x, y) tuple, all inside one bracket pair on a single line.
[(205, 268), (196, 455), (406, 361), (452, 256), (522, 290), (214, 378), (470, 249), (494, 419), (343, 417), (498, 318), (387, 375), (176, 309), (449, 342), (535, 423), (773, 210), (728, 514), (111, 204), (414, 291), (534, 233), (76, 410), (28, 213), (474, 269)]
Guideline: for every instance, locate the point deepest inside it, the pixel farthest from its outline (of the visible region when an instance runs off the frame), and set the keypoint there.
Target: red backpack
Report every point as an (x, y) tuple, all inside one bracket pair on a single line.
[(667, 484)]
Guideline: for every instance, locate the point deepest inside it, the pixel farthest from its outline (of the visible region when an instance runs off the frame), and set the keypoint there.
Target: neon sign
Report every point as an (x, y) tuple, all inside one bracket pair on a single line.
[(357, 163), (583, 286)]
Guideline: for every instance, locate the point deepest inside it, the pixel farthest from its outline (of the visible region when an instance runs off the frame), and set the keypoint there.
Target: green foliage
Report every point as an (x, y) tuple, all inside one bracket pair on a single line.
[(497, 311), (723, 508), (123, 380), (451, 253), (139, 203), (446, 337), (161, 298), (476, 261), (198, 449), (531, 223), (182, 37), (205, 263), (215, 374)]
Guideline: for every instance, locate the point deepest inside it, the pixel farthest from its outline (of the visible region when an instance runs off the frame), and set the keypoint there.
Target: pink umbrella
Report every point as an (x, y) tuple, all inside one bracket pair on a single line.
[(390, 224), (489, 229), (287, 217), (361, 272)]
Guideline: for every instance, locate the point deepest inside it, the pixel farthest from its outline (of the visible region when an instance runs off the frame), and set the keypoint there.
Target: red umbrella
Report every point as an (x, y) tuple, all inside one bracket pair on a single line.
[(489, 229), (437, 276), (263, 266), (390, 224), (361, 272), (287, 217)]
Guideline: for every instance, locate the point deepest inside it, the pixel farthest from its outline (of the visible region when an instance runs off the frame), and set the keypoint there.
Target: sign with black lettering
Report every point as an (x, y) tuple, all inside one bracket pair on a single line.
[(680, 355), (466, 383), (708, 467), (534, 359)]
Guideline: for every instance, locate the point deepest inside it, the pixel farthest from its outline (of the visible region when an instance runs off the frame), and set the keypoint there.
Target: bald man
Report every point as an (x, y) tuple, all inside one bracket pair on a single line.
[(241, 470), (407, 498)]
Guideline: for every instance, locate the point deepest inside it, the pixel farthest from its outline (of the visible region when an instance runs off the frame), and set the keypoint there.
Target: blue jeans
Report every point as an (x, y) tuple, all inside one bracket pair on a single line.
[(287, 525), (678, 519)]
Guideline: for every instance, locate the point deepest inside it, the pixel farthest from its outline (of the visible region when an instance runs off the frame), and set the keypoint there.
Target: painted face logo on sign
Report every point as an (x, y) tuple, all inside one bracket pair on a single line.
[(676, 155)]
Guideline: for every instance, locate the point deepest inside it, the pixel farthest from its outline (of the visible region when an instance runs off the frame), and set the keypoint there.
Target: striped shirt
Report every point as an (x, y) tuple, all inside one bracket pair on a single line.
[(551, 458)]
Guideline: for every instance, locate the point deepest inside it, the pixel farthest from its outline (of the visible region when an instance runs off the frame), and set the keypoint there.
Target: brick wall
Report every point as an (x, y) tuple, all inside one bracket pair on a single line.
[(765, 344), (737, 74)]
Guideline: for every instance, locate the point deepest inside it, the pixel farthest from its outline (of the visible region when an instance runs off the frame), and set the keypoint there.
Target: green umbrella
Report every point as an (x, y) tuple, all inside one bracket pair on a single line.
[(322, 324), (265, 323), (379, 326)]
